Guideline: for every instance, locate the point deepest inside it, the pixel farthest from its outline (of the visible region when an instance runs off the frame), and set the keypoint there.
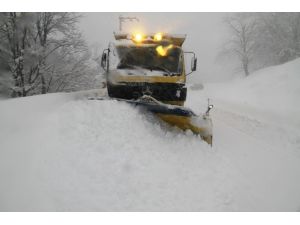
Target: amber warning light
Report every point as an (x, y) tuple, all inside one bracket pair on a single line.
[(139, 37)]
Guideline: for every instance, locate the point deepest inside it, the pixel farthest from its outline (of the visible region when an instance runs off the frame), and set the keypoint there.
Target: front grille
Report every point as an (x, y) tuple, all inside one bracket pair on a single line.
[(161, 92)]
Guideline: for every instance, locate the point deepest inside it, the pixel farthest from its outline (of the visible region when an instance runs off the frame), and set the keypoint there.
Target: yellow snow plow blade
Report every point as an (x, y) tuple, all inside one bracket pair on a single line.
[(188, 123), (179, 116)]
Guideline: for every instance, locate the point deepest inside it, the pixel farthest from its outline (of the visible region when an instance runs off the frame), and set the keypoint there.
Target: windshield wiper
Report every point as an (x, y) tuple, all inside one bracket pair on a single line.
[(159, 68), (130, 66), (125, 66), (149, 67)]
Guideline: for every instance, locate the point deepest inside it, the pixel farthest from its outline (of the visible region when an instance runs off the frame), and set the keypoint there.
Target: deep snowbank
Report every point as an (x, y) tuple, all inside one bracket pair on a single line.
[(59, 152)]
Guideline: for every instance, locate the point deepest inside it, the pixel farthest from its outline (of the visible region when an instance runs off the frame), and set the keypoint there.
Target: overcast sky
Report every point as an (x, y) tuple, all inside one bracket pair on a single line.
[(205, 33)]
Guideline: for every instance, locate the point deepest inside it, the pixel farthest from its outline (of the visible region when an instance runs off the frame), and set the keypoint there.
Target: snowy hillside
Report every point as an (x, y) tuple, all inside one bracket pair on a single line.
[(274, 90), (61, 152)]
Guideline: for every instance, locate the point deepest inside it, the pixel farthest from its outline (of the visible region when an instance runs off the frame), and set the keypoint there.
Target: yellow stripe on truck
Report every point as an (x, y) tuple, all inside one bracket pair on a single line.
[(150, 79)]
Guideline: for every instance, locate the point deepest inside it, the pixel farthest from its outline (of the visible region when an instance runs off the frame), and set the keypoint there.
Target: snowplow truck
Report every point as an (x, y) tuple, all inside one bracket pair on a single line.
[(149, 70)]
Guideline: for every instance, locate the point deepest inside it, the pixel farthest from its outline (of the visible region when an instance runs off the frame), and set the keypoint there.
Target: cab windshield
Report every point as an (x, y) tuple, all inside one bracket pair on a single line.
[(147, 57)]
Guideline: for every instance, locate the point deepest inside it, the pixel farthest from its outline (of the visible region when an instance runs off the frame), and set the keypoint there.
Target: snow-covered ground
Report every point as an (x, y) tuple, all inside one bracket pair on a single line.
[(61, 152)]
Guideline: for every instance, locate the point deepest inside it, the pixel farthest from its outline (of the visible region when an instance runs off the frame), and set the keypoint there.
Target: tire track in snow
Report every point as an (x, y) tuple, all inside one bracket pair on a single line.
[(267, 168)]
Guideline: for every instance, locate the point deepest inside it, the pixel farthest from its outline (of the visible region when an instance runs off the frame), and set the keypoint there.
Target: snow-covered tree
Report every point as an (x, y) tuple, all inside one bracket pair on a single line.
[(56, 35), (14, 38), (258, 40), (44, 51), (280, 35), (241, 40)]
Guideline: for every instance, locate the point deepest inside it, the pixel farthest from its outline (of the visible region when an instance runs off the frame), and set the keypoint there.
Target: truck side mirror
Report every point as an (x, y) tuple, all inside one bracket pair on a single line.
[(104, 60), (194, 64)]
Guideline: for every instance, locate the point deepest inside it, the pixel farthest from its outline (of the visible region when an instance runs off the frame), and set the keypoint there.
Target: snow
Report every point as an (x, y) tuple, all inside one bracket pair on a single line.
[(61, 152), (274, 90)]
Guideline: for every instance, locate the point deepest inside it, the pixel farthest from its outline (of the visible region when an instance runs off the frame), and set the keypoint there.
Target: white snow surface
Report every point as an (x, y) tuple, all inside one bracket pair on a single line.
[(61, 152)]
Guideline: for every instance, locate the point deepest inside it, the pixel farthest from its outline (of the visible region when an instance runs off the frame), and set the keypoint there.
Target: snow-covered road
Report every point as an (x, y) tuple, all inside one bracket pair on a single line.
[(61, 152)]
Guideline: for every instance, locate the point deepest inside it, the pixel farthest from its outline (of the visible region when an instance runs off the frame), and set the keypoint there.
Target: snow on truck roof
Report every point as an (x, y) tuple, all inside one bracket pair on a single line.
[(158, 38)]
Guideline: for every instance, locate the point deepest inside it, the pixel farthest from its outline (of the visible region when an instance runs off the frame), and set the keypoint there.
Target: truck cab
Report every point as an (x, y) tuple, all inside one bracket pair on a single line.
[(154, 65)]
